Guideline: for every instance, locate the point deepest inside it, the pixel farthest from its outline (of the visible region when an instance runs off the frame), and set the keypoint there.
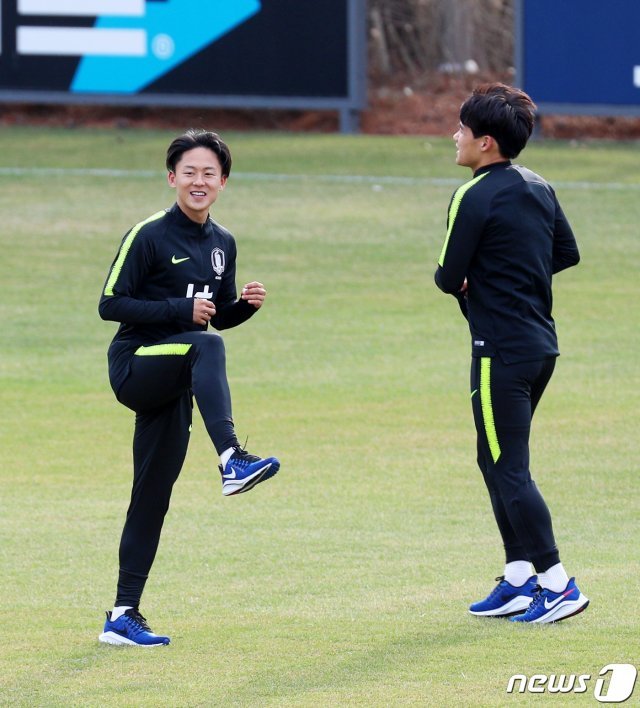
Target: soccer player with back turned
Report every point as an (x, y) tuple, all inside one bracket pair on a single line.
[(173, 275), (506, 237)]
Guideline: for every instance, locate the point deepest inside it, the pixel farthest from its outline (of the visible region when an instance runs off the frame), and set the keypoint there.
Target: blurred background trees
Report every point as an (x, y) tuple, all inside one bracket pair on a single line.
[(451, 36)]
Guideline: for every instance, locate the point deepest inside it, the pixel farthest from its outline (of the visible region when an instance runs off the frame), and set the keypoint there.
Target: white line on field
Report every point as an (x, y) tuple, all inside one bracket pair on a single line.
[(280, 177)]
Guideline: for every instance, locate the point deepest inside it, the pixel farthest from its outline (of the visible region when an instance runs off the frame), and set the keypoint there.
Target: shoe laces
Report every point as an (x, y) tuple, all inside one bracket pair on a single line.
[(538, 595), (498, 587), (242, 456), (137, 620)]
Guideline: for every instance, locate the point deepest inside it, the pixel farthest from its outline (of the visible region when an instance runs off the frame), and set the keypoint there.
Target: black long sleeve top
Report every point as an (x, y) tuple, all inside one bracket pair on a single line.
[(163, 263), (507, 235)]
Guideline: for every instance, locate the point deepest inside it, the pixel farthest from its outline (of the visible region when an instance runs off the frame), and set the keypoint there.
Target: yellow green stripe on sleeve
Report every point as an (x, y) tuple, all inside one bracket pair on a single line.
[(124, 250), (453, 211)]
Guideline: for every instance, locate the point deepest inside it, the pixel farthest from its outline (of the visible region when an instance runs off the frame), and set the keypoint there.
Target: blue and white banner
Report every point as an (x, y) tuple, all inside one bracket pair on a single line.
[(129, 48)]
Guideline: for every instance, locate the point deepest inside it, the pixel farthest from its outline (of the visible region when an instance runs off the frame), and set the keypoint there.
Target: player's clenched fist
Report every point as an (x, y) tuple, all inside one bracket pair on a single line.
[(203, 311), (254, 293)]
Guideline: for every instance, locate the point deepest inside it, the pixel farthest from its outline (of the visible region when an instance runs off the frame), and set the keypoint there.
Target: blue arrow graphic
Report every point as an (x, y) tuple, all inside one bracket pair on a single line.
[(175, 30)]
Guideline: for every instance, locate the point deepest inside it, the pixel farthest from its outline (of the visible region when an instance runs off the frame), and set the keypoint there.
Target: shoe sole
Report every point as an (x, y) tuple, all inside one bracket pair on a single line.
[(552, 618), (260, 476), (117, 640), (514, 607), (573, 614)]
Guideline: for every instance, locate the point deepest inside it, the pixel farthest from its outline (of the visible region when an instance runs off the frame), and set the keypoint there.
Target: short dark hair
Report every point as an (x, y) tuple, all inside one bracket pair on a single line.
[(505, 113), (194, 138)]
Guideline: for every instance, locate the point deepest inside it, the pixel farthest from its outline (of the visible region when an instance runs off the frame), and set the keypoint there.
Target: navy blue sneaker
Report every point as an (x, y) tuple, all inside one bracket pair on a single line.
[(243, 471), (549, 606), (130, 629), (506, 599)]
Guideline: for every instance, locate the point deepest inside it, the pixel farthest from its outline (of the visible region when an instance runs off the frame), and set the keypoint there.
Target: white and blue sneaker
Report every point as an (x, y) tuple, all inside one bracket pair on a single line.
[(131, 629), (549, 606), (506, 599), (243, 471)]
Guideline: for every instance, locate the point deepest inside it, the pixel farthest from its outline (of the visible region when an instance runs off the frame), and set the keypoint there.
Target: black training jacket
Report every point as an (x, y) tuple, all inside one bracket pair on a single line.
[(507, 235), (163, 263)]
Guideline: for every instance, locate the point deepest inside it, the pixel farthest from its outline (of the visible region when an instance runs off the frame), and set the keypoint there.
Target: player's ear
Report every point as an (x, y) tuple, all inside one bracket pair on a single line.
[(489, 144), (171, 179)]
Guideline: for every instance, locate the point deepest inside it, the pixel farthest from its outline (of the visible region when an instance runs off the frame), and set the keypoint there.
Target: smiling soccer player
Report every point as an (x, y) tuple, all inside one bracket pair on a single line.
[(173, 276)]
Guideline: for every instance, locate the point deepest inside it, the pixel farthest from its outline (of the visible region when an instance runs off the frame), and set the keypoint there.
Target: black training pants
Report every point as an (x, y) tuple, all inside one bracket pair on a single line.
[(504, 398), (159, 389)]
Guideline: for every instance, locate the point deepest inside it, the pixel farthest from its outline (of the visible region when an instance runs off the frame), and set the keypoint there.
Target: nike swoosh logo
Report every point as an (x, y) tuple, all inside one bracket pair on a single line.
[(175, 260), (231, 475), (549, 605), (473, 393)]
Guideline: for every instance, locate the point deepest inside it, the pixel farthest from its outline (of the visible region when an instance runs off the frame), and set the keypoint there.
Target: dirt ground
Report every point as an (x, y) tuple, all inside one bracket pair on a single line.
[(427, 105)]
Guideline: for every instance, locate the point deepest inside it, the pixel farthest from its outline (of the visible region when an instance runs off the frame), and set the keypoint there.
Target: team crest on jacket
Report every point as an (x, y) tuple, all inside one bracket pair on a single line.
[(217, 261)]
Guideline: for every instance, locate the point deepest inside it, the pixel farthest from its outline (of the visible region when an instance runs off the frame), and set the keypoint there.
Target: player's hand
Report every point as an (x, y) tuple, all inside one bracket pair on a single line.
[(203, 311), (254, 293)]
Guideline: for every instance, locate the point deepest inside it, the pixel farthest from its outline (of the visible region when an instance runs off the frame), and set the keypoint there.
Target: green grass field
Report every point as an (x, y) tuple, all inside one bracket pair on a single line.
[(345, 580)]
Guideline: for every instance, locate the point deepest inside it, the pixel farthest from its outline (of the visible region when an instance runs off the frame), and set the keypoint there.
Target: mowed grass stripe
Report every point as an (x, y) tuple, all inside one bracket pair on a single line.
[(279, 177)]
